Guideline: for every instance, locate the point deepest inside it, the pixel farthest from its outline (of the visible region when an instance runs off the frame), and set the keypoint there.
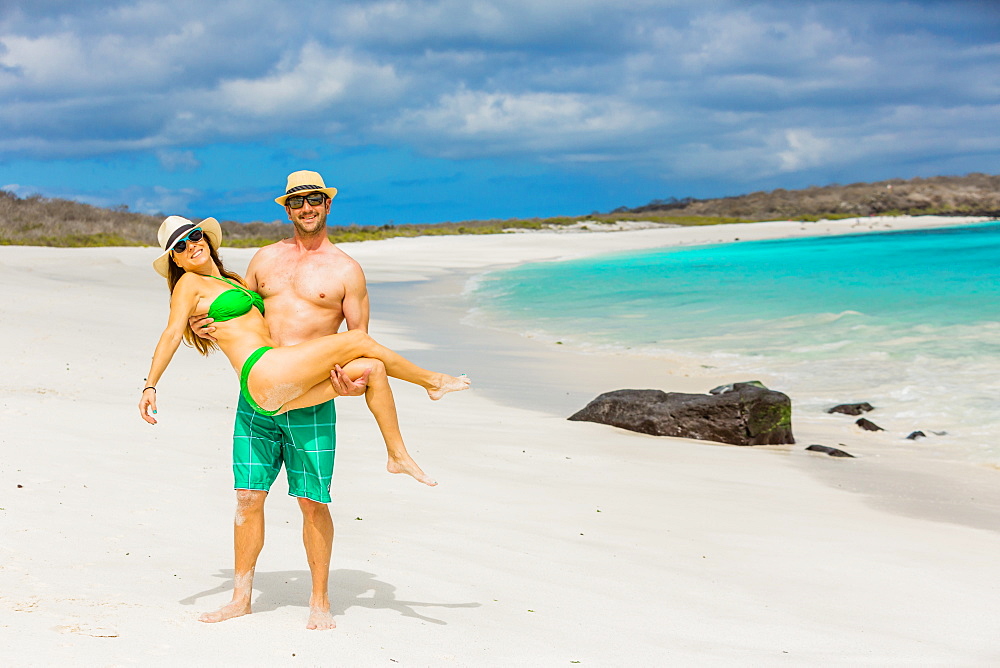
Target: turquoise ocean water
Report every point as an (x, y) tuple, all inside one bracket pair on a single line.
[(907, 320)]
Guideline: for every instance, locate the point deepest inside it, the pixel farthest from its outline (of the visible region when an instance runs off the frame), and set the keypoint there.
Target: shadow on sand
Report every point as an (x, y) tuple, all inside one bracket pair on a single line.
[(348, 589)]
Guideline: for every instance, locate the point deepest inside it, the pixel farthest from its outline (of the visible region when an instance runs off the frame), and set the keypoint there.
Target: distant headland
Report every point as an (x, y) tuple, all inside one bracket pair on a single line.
[(38, 221)]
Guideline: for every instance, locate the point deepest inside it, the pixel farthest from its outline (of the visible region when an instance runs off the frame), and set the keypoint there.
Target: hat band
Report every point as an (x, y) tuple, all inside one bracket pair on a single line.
[(298, 188), (177, 233)]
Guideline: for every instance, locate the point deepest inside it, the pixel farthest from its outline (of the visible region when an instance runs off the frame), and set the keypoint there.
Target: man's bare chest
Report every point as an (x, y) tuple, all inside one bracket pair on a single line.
[(315, 283)]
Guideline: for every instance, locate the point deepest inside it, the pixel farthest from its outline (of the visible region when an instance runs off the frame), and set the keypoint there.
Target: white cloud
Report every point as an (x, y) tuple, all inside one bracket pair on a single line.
[(176, 161), (311, 80), (56, 147), (19, 190), (67, 63), (39, 61), (511, 123), (672, 87), (740, 40), (805, 149), (490, 23), (162, 200)]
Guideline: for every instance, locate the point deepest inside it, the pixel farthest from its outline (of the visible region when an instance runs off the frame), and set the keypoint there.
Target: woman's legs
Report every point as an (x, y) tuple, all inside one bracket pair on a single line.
[(285, 373), (397, 366), (383, 406), (381, 403)]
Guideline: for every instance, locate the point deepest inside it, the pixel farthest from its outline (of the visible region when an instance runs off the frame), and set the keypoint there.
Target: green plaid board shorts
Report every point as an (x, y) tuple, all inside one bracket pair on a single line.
[(305, 439)]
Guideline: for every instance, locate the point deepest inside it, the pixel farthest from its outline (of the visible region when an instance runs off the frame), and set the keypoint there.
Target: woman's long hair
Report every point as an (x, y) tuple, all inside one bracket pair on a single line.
[(174, 273)]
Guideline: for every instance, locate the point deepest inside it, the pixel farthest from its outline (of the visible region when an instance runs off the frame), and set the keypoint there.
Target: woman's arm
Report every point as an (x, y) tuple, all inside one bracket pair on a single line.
[(183, 302)]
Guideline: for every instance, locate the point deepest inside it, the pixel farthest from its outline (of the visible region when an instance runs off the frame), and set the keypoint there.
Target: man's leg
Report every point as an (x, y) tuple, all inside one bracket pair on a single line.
[(317, 535), (257, 458), (310, 447), (248, 539)]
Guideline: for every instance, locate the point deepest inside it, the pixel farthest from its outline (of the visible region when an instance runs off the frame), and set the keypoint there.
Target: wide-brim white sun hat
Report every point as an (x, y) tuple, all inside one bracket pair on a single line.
[(174, 228), (303, 183)]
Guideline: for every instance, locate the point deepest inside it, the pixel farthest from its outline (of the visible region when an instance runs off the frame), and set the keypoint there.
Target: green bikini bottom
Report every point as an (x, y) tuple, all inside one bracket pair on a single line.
[(245, 374)]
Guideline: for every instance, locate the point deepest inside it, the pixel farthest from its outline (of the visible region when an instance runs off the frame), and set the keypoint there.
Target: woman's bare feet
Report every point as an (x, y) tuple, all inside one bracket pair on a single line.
[(448, 384), (228, 611), (405, 464)]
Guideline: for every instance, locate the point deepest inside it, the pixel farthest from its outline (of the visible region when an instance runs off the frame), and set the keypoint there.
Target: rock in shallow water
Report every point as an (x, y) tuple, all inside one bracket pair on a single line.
[(852, 409), (868, 425), (826, 449), (744, 414)]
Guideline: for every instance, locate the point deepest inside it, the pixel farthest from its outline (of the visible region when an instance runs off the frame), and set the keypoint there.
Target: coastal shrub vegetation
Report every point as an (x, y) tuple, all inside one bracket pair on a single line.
[(40, 221), (969, 195)]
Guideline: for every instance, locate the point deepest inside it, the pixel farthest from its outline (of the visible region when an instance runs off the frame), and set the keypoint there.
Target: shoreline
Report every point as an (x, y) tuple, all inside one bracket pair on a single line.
[(442, 289), (427, 257), (547, 541), (899, 477)]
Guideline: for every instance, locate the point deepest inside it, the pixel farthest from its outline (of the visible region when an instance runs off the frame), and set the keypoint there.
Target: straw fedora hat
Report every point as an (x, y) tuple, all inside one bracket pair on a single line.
[(174, 228), (303, 183)]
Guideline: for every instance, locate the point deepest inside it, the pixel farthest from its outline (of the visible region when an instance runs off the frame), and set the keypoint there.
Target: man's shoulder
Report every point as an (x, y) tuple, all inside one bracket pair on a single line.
[(288, 255), (328, 255), (278, 252), (339, 255), (270, 250)]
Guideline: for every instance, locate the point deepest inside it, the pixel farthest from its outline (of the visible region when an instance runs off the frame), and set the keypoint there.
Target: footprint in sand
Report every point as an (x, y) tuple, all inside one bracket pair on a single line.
[(93, 630)]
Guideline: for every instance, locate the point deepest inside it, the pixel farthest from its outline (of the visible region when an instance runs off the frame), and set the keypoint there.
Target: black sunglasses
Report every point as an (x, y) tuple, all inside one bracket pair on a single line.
[(194, 236), (296, 201)]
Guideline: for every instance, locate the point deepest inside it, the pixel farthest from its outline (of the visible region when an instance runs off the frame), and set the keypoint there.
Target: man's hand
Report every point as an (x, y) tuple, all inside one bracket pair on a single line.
[(346, 387), (200, 324)]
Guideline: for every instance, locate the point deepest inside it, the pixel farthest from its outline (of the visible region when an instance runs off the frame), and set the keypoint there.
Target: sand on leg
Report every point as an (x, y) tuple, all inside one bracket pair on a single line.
[(248, 540)]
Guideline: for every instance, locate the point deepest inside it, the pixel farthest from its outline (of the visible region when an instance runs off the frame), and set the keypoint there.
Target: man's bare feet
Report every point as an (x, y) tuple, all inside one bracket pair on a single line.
[(409, 467), (448, 384), (228, 611), (320, 619)]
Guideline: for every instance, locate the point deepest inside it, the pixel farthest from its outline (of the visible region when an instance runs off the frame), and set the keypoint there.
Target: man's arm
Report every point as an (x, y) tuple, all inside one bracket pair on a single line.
[(355, 305), (356, 310), (251, 278)]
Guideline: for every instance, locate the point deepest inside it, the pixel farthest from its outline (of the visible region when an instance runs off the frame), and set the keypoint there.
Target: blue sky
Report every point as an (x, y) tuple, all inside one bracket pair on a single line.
[(448, 110)]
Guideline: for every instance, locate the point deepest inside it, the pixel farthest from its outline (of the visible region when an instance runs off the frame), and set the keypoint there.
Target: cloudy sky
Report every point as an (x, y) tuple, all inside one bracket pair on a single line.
[(425, 111)]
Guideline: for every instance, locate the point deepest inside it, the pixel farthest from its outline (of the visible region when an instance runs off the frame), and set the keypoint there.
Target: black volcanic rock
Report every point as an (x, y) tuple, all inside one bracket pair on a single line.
[(852, 409), (743, 414), (826, 449), (868, 425)]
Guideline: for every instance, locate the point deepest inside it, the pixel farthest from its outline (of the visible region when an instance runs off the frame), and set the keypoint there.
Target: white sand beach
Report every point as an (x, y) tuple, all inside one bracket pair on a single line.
[(547, 542)]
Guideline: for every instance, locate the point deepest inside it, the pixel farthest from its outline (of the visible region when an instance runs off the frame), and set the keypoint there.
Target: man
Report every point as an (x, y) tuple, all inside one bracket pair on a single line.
[(310, 287)]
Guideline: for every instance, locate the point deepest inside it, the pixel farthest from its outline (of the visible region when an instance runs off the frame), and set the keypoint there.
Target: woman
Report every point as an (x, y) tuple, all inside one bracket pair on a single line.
[(272, 379)]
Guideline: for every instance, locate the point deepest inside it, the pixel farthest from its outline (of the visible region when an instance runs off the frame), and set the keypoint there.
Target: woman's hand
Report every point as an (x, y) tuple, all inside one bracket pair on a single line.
[(147, 404)]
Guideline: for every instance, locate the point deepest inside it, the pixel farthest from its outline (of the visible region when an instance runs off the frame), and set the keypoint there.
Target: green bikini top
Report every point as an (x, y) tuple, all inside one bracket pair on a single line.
[(234, 303)]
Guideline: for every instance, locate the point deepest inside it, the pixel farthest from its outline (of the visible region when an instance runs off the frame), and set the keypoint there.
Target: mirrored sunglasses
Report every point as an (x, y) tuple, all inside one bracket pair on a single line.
[(194, 236), (297, 201)]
